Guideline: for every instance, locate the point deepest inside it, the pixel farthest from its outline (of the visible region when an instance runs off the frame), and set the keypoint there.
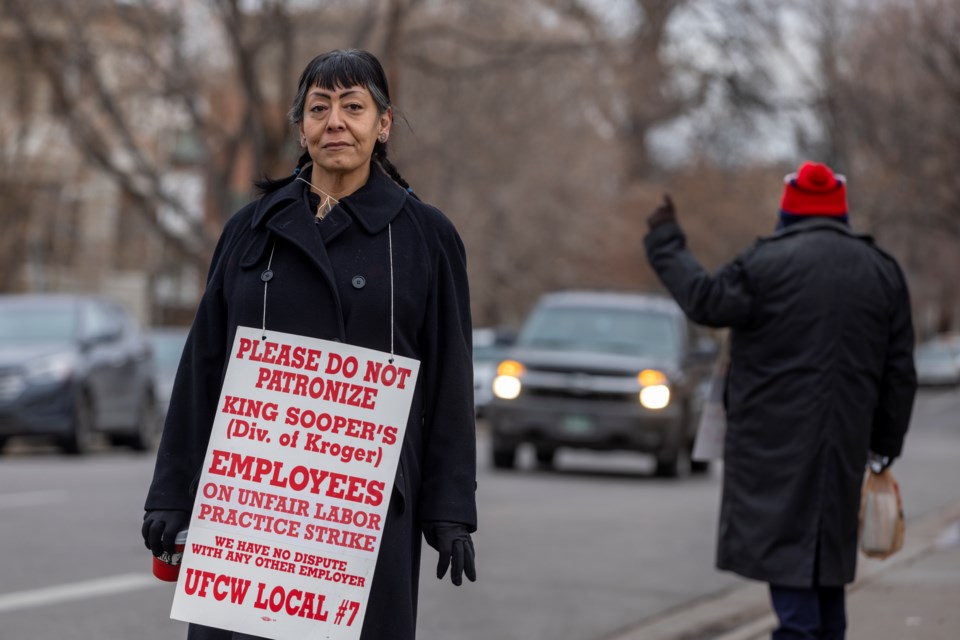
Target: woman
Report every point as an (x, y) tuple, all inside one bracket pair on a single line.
[(350, 254)]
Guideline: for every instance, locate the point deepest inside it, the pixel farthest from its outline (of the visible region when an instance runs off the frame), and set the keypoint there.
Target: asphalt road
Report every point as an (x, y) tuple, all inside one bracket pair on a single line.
[(572, 554)]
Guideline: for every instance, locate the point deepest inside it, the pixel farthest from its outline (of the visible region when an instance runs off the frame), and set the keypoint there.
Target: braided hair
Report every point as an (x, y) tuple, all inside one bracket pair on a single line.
[(331, 70)]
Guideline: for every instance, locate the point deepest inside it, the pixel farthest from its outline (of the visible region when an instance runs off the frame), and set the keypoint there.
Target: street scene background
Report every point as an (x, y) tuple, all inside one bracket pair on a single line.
[(546, 130)]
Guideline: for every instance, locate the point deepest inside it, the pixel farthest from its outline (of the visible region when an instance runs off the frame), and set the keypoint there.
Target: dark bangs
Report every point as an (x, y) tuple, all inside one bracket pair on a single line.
[(340, 69)]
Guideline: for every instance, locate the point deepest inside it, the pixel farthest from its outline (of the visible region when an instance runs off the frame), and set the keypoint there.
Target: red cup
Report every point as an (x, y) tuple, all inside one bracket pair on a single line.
[(166, 567)]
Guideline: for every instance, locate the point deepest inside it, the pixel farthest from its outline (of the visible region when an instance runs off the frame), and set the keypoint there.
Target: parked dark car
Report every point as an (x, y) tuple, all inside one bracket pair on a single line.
[(72, 367), (603, 371), (167, 343)]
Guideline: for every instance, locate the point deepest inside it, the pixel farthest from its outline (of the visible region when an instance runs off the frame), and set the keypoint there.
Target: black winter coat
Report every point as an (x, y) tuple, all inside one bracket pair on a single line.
[(332, 280), (821, 370)]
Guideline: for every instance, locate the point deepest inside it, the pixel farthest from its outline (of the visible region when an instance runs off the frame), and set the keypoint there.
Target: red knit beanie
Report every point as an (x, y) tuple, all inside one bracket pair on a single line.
[(814, 190)]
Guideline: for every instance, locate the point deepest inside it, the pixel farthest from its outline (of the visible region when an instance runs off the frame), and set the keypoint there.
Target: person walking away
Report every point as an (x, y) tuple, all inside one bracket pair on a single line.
[(821, 376)]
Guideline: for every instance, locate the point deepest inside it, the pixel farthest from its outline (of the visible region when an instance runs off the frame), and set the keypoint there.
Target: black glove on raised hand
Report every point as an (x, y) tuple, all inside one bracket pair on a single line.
[(662, 214), (160, 529), (453, 542)]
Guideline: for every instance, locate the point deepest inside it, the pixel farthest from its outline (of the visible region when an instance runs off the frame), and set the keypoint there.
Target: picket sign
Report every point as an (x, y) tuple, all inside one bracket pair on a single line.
[(294, 489)]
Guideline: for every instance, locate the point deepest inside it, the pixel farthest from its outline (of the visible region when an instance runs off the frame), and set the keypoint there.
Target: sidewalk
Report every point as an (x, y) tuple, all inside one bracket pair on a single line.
[(915, 595)]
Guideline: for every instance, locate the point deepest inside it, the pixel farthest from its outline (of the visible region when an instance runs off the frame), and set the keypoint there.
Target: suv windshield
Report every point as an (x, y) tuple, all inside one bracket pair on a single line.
[(612, 330), (47, 324)]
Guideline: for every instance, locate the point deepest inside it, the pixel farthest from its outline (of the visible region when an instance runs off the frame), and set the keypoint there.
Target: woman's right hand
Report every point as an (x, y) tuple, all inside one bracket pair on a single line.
[(160, 529)]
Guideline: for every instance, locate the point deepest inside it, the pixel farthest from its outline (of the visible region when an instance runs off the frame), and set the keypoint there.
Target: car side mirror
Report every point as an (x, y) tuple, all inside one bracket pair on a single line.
[(104, 337)]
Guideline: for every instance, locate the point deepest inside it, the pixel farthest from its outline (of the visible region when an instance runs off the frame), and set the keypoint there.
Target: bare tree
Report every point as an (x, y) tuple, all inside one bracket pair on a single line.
[(663, 61), (534, 133), (538, 126), (15, 206), (109, 63), (93, 112), (901, 104), (884, 92)]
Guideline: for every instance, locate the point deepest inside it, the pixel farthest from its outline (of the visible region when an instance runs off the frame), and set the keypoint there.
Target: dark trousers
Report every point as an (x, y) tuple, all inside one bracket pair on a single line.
[(815, 613)]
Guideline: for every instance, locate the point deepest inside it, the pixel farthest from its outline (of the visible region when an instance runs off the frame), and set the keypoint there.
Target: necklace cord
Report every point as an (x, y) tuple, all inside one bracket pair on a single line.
[(265, 283), (325, 205), (390, 240)]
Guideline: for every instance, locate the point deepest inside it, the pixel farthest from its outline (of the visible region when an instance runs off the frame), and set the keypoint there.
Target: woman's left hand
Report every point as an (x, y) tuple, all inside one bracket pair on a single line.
[(455, 545)]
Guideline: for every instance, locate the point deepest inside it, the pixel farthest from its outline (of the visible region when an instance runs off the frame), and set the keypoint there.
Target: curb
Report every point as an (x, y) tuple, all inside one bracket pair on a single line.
[(743, 613)]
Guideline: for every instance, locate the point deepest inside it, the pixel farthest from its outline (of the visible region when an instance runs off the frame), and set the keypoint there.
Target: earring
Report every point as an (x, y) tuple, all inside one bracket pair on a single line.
[(382, 137), (303, 141)]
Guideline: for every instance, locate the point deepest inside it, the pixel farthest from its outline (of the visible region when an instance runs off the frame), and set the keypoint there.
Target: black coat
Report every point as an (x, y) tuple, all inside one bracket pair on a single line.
[(821, 370), (332, 280)]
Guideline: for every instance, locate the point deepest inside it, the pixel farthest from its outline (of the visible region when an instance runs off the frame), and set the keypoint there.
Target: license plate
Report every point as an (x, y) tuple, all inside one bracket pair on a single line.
[(577, 424)]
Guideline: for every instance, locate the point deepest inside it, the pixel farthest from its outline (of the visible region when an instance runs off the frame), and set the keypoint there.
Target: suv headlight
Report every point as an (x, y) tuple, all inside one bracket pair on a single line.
[(507, 385), (654, 392), (51, 368)]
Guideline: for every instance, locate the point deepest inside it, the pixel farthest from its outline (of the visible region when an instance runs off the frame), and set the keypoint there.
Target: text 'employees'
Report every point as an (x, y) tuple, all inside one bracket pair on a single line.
[(299, 478)]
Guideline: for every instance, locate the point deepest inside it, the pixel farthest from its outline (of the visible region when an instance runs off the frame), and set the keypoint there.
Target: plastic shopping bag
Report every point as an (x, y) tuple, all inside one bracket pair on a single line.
[(881, 515)]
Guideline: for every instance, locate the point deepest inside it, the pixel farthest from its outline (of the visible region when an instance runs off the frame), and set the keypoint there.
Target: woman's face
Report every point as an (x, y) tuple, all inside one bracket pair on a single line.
[(340, 128)]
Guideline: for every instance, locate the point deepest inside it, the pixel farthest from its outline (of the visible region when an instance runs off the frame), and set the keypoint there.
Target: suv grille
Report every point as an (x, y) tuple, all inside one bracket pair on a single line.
[(581, 395)]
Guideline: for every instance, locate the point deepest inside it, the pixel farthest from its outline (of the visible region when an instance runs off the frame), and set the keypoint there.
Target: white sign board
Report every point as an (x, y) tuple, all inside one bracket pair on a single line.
[(295, 487)]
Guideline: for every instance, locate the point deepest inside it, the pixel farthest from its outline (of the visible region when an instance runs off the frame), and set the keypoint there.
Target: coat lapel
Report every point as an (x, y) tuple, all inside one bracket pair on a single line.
[(376, 203), (294, 225), (334, 224), (286, 213)]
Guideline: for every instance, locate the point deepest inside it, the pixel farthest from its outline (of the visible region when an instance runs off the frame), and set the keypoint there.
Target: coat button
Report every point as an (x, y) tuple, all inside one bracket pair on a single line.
[(267, 275), (359, 282)]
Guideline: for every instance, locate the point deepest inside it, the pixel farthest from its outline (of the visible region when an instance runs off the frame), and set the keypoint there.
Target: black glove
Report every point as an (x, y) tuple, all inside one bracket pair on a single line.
[(160, 529), (662, 214), (453, 542)]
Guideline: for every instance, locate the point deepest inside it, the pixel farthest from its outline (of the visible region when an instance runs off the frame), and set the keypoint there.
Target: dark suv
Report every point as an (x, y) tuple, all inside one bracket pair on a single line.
[(72, 366), (603, 371)]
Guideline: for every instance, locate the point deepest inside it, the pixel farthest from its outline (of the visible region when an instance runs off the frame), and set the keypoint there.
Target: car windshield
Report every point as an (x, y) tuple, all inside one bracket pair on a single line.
[(47, 324), (934, 354), (486, 352), (613, 330)]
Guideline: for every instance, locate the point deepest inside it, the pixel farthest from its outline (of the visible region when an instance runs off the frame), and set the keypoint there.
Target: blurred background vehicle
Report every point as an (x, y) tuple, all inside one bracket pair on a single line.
[(167, 343), (938, 363), (488, 347), (603, 371), (951, 342), (72, 367)]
